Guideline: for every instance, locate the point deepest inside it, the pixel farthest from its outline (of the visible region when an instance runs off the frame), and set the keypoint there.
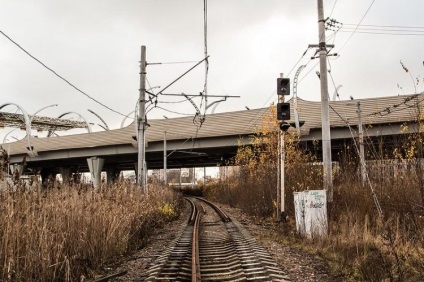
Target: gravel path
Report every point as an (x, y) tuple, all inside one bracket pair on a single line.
[(300, 265)]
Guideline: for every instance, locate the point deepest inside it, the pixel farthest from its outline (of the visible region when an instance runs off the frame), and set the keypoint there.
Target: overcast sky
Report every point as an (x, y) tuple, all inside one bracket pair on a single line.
[(96, 46)]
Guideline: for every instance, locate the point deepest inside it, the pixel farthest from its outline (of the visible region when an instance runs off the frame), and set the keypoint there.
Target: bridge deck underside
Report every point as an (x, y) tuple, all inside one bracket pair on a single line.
[(187, 158)]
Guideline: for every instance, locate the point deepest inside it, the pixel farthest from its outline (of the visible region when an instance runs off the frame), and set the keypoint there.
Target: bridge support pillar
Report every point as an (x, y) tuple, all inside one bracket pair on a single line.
[(16, 168), (95, 165), (48, 177), (66, 175), (112, 174)]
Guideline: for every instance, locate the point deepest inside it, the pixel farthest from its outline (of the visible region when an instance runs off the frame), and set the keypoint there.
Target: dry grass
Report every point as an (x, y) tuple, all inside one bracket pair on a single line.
[(63, 235), (361, 245)]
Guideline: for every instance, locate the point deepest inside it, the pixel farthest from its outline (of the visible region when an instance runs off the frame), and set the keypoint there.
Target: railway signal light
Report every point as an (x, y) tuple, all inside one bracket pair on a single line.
[(283, 86), (283, 111), (284, 126), (301, 123)]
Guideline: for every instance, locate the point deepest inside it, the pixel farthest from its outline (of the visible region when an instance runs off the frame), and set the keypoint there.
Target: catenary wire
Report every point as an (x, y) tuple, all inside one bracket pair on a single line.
[(61, 77), (374, 195), (353, 32), (386, 26), (332, 10), (385, 33), (383, 29)]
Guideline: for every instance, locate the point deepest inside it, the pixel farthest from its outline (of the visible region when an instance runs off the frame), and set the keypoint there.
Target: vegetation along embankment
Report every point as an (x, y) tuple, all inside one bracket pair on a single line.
[(71, 232), (362, 243)]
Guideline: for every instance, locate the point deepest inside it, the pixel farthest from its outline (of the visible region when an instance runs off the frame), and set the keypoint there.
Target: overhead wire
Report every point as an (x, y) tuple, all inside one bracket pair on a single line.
[(198, 118), (351, 35), (174, 112), (173, 102), (394, 108), (257, 116), (385, 33), (61, 77), (384, 29), (386, 26), (373, 193), (344, 119), (332, 10), (181, 146), (205, 85), (303, 77), (173, 63), (376, 29)]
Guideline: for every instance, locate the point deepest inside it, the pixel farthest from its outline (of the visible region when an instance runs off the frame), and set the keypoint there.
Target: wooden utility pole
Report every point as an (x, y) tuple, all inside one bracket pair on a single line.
[(325, 115), (141, 124)]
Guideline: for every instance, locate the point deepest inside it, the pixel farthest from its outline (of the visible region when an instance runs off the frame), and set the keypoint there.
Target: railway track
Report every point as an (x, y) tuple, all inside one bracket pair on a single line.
[(214, 247)]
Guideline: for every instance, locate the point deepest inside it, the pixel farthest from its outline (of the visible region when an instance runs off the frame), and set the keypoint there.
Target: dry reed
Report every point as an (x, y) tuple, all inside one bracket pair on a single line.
[(67, 234)]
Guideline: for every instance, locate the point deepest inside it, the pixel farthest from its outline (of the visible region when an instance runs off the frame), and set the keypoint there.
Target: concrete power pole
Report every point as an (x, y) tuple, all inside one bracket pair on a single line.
[(165, 160), (325, 116), (361, 145), (141, 124)]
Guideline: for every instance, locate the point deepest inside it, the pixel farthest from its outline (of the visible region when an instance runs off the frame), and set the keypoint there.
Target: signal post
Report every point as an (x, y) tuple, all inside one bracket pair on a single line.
[(283, 113)]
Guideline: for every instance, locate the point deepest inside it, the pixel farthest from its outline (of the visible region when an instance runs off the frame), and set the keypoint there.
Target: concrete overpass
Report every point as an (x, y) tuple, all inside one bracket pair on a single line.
[(216, 141)]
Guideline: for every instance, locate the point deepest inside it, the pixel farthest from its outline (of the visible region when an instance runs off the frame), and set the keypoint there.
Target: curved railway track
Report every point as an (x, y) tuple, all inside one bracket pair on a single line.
[(214, 247)]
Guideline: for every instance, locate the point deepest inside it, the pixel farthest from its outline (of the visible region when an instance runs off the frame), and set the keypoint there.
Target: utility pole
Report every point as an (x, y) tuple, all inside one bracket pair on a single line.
[(325, 115), (361, 145), (165, 161), (141, 124)]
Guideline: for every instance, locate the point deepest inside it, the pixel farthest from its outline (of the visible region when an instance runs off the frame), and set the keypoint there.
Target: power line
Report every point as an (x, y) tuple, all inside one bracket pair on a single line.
[(385, 26), (384, 33), (363, 17), (396, 108), (374, 195), (384, 29), (300, 80), (174, 112), (332, 10), (301, 57), (55, 73), (173, 63), (331, 76)]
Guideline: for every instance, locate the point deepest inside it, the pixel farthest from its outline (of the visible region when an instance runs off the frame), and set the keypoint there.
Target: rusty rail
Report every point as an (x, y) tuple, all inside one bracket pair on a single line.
[(195, 261), (222, 214)]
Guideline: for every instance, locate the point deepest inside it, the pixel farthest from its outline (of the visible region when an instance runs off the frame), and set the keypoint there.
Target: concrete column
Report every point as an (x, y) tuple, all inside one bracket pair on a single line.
[(95, 165), (16, 168), (112, 174), (135, 170), (47, 177), (66, 175)]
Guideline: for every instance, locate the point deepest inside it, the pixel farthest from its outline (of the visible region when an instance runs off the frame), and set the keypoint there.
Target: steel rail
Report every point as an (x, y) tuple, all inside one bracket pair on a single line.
[(195, 261), (195, 220), (193, 210), (222, 214), (222, 250)]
